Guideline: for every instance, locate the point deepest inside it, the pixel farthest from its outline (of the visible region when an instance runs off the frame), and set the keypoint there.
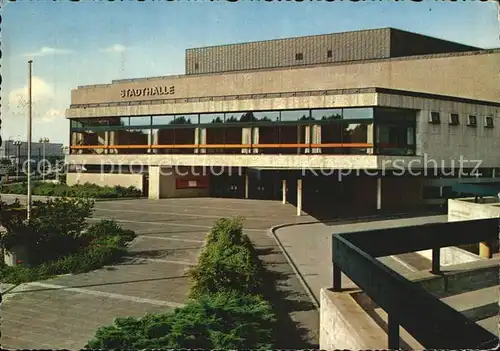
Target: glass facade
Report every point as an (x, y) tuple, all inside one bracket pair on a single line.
[(325, 131)]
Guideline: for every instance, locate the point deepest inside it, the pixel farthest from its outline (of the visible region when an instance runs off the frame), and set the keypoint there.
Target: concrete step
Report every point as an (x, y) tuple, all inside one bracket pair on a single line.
[(397, 265), (480, 305), (476, 305), (491, 324)]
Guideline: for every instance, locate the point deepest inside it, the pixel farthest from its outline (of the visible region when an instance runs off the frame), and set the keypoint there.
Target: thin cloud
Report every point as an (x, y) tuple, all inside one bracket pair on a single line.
[(115, 49), (47, 51)]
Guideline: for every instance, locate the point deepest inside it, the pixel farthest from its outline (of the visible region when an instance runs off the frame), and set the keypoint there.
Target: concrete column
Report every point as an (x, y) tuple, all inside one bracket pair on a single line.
[(283, 190), (196, 139), (369, 138), (317, 138), (154, 140), (379, 193), (246, 184), (106, 141), (485, 250), (150, 140), (154, 182), (113, 140), (255, 139), (203, 139), (246, 138), (299, 197), (307, 138)]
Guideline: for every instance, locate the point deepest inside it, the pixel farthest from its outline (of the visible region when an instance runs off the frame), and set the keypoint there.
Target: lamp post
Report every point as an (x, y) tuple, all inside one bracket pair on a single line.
[(28, 214), (18, 156), (43, 141)]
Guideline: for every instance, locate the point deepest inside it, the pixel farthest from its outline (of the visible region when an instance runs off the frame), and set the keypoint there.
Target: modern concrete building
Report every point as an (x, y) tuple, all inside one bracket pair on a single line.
[(359, 121), (19, 150)]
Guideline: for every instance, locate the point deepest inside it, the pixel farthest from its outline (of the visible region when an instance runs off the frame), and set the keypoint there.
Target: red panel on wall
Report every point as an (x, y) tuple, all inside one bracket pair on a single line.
[(197, 182)]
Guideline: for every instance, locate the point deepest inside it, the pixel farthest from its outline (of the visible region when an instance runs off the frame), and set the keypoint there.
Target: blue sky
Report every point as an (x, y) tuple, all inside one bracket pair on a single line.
[(95, 42)]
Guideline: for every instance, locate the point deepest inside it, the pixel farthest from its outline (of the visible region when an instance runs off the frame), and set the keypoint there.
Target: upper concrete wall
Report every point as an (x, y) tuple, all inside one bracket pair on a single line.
[(450, 142), (463, 75), (248, 104), (316, 49), (347, 46)]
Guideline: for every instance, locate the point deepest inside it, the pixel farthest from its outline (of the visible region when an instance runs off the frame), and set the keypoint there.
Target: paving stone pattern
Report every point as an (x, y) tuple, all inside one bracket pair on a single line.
[(64, 312)]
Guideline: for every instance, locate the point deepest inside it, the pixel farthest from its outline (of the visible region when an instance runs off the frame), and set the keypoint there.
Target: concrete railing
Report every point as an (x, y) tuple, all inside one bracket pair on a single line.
[(348, 319)]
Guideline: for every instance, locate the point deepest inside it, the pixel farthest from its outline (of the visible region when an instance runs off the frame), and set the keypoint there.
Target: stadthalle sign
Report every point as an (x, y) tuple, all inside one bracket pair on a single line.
[(153, 91)]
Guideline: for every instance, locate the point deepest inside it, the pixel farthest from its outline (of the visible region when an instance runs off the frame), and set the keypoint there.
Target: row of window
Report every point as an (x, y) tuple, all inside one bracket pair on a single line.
[(231, 117), (299, 56), (454, 119)]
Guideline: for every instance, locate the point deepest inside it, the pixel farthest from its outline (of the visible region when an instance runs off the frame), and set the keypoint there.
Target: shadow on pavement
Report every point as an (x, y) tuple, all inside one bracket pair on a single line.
[(288, 334), (93, 285)]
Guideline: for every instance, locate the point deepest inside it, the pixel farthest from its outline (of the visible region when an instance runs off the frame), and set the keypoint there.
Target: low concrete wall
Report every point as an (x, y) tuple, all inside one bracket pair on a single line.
[(465, 209), (459, 278), (452, 255), (103, 179), (345, 325)]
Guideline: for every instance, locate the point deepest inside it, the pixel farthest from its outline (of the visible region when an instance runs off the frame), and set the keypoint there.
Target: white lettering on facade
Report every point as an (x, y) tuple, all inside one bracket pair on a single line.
[(154, 91)]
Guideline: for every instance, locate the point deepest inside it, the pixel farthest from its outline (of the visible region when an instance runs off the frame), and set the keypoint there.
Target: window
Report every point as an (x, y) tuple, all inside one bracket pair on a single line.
[(76, 124), (454, 119), (211, 118), (472, 121), (488, 122), (162, 120), (299, 56), (326, 114), (357, 113), (435, 118), (267, 116), (329, 53), (294, 115), (196, 66), (185, 119), (140, 121)]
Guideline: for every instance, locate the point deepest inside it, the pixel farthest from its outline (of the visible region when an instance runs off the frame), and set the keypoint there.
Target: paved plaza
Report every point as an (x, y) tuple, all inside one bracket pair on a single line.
[(64, 312), (312, 257)]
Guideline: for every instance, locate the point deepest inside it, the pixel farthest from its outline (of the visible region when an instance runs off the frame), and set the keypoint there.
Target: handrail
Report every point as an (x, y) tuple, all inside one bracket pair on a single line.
[(224, 146), (430, 321)]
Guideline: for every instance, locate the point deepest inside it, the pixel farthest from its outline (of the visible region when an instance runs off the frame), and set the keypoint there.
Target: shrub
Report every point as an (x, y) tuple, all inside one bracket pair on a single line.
[(53, 231), (86, 190), (227, 320), (54, 228), (227, 263), (108, 232), (88, 259)]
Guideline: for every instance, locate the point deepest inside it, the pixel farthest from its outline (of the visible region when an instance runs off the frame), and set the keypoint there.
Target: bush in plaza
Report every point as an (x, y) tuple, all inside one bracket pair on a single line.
[(225, 309), (58, 240), (228, 262), (86, 190), (225, 320)]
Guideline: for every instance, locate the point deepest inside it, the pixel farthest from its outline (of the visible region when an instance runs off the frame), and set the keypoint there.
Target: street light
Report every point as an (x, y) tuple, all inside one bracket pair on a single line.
[(18, 156), (43, 141), (28, 214)]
